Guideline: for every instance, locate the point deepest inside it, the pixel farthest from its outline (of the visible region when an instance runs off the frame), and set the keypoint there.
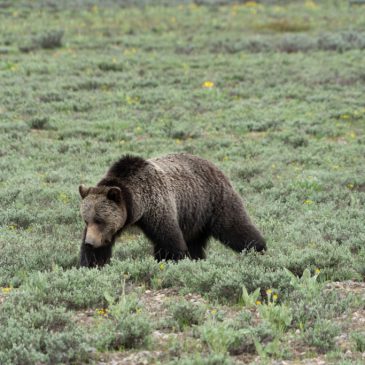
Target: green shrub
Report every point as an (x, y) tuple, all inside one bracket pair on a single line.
[(39, 123), (217, 336), (50, 39), (80, 288), (187, 314), (225, 337), (321, 335), (32, 333), (279, 316), (242, 320), (127, 332), (47, 40), (358, 339), (126, 326), (307, 309)]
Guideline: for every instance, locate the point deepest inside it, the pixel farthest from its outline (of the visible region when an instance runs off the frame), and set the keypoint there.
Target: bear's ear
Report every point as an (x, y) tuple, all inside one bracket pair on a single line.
[(115, 194), (84, 191)]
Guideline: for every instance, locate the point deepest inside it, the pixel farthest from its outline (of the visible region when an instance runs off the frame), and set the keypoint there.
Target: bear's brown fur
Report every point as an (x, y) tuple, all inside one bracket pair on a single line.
[(178, 201)]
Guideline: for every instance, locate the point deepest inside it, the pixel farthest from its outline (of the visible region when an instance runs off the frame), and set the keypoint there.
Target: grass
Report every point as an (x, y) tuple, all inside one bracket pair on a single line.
[(271, 93)]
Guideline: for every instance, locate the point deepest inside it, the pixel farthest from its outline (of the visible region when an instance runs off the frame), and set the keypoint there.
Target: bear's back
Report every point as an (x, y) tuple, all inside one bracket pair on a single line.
[(184, 170), (195, 185)]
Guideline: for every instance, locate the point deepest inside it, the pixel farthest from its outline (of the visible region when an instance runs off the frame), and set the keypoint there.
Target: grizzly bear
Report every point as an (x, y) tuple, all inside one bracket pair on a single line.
[(178, 201)]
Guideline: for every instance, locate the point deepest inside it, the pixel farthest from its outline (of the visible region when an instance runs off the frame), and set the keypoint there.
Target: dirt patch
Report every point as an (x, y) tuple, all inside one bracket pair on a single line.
[(2, 299), (360, 188), (85, 317), (130, 358)]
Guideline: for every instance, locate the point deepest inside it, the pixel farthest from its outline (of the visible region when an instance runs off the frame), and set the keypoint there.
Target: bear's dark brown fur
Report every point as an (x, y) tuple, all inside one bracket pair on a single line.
[(178, 201)]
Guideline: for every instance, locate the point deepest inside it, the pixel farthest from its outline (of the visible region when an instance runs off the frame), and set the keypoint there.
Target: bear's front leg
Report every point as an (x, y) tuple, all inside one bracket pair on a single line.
[(94, 257)]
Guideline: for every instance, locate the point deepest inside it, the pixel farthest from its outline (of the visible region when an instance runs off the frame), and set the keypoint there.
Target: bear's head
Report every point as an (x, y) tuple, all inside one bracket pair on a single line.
[(104, 211)]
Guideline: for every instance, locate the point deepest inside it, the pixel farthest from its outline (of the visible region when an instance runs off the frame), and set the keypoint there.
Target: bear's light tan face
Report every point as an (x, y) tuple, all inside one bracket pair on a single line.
[(103, 217)]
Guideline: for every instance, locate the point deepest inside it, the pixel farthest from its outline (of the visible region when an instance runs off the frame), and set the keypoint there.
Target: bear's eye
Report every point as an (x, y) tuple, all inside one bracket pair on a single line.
[(98, 221)]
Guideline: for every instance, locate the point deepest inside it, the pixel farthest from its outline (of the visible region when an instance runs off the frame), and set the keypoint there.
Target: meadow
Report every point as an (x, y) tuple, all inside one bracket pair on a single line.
[(272, 92)]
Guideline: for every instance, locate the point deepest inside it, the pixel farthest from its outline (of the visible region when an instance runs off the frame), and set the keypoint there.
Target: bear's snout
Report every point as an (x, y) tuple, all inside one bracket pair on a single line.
[(93, 236)]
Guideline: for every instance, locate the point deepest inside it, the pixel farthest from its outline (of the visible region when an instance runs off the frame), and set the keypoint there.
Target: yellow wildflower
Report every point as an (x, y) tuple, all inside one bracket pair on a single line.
[(162, 266), (278, 9), (317, 271), (208, 84), (101, 311), (6, 290), (275, 297), (268, 291), (258, 302), (193, 6), (132, 100), (63, 198), (352, 135), (310, 4), (308, 202), (130, 51), (251, 4)]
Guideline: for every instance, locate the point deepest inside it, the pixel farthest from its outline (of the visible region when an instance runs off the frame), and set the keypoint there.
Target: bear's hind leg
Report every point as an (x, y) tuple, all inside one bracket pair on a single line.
[(167, 239), (196, 252), (237, 232), (197, 247), (240, 238)]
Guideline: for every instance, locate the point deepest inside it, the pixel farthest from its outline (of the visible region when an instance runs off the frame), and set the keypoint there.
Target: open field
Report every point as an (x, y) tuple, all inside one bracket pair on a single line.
[(273, 94)]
